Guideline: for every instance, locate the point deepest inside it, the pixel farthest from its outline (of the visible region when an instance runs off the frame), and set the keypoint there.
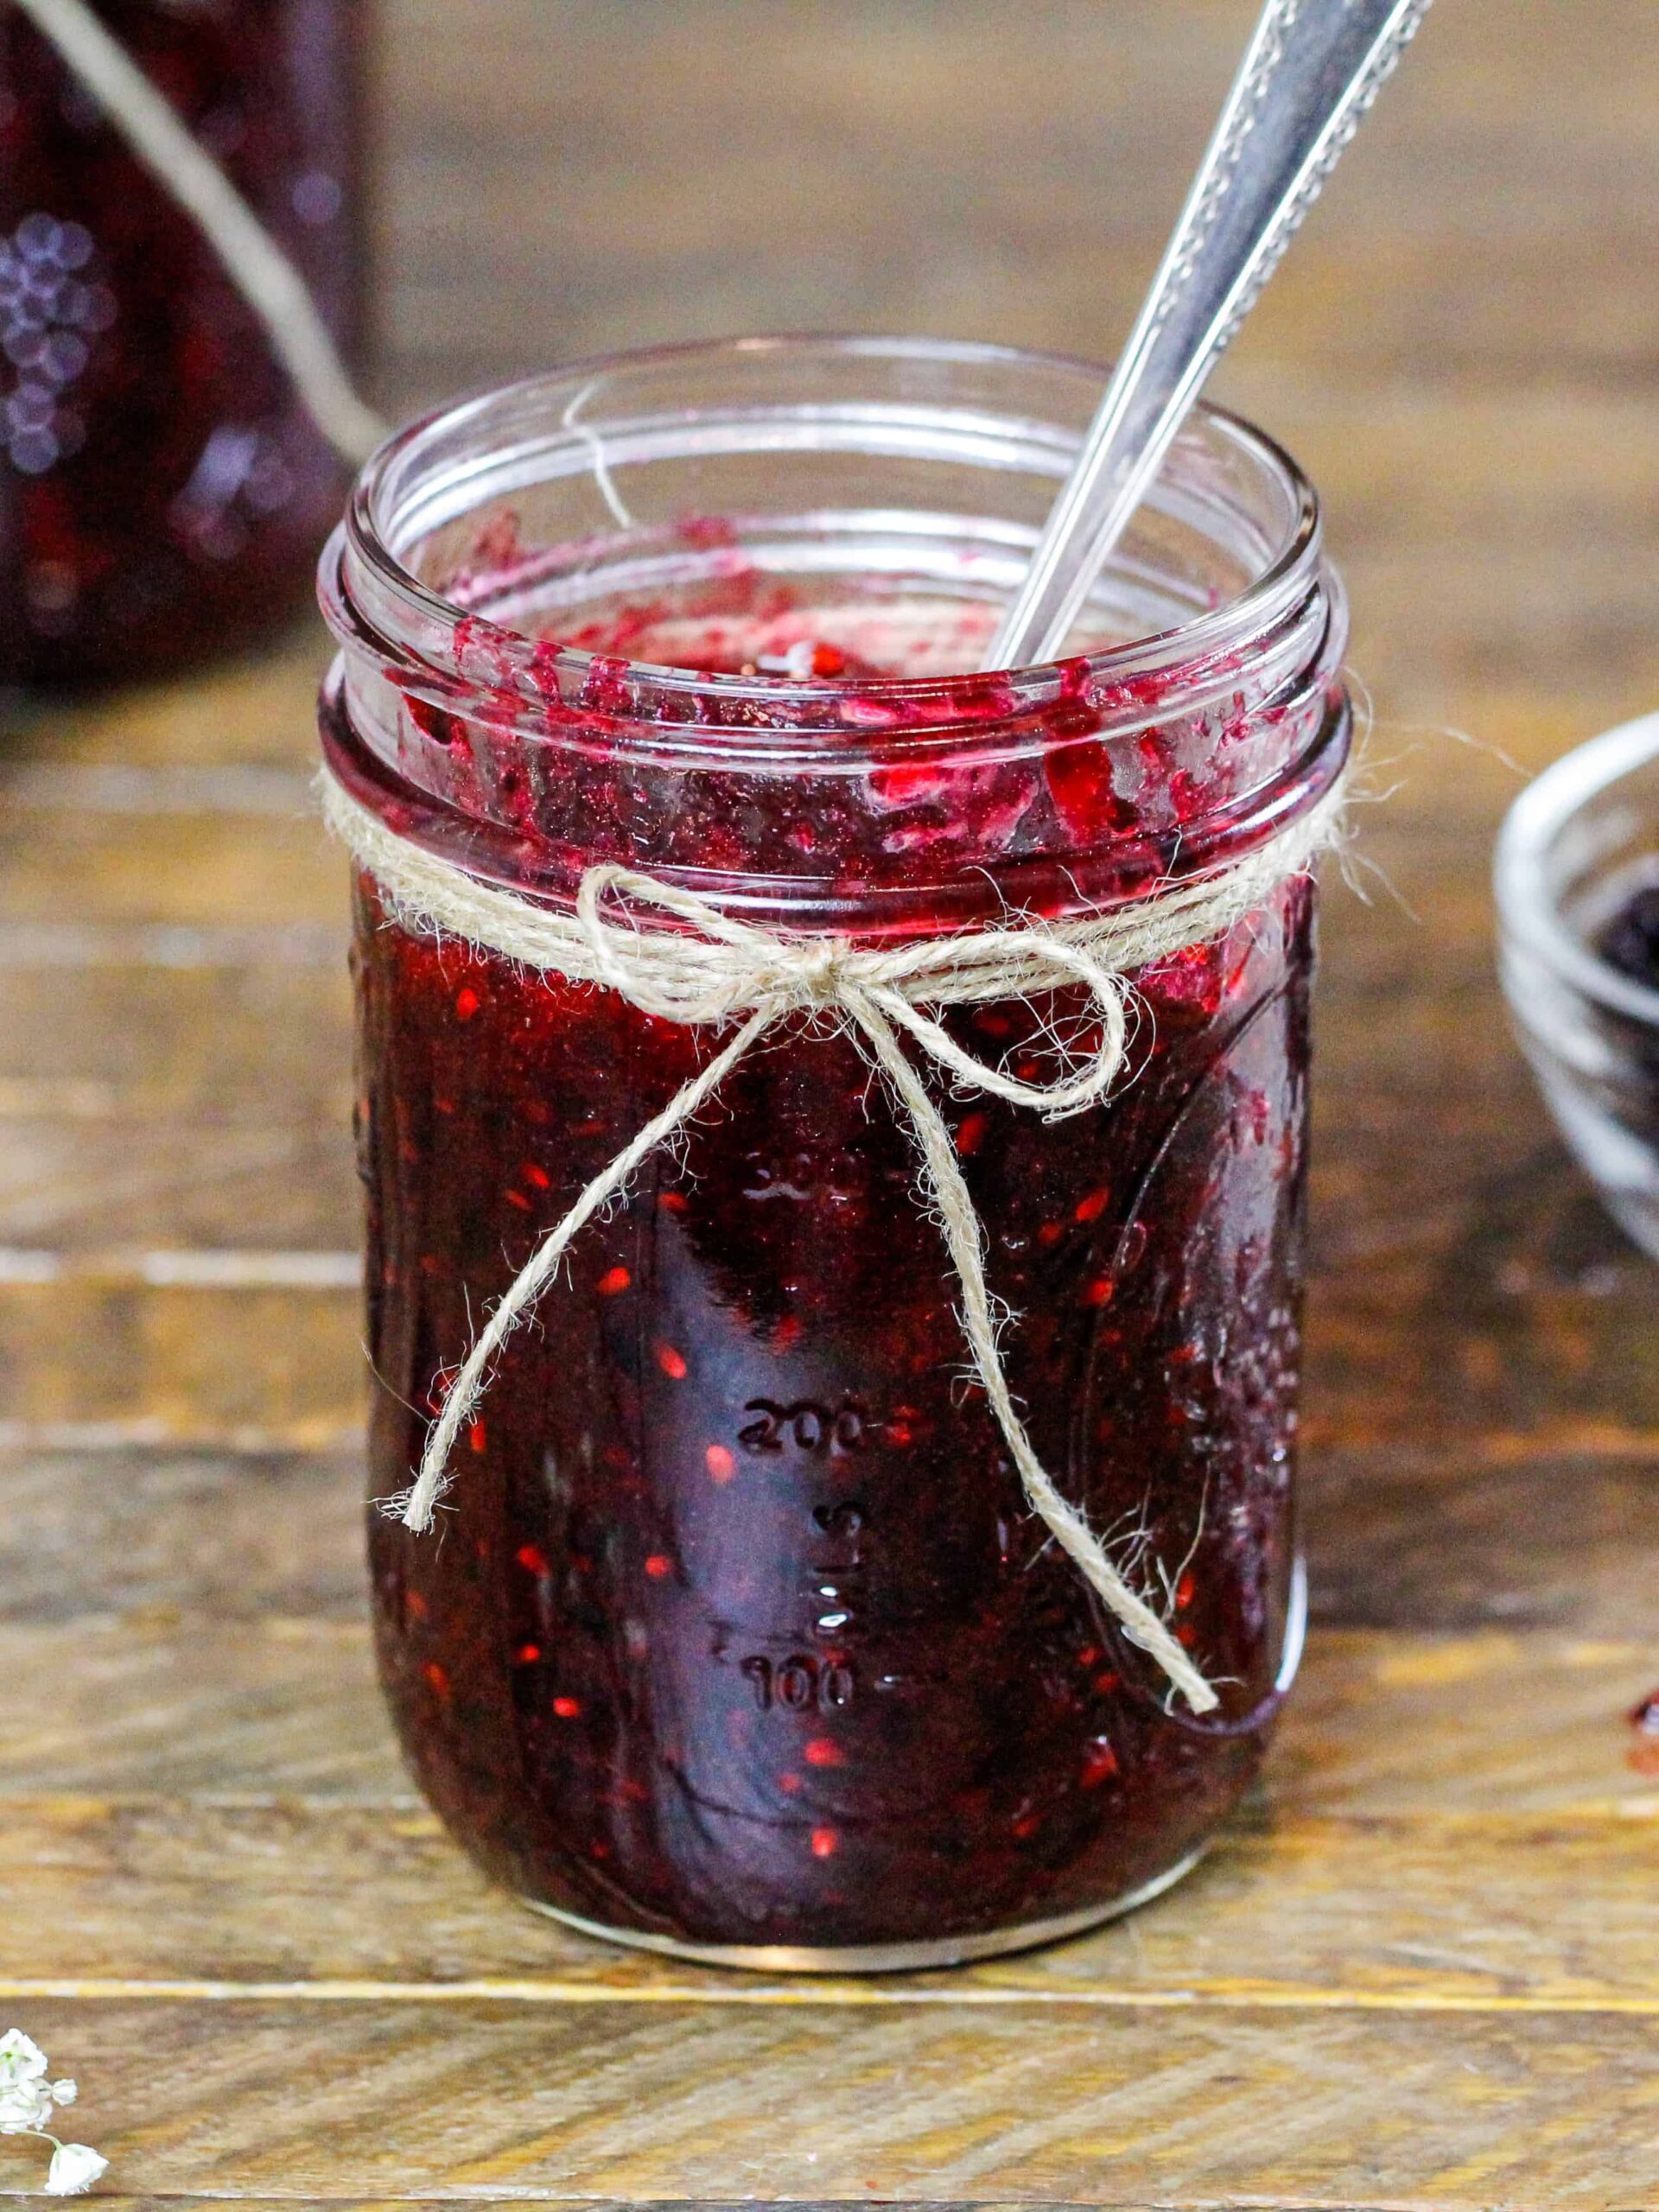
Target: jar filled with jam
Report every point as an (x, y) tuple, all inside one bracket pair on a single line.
[(738, 1637), (163, 490)]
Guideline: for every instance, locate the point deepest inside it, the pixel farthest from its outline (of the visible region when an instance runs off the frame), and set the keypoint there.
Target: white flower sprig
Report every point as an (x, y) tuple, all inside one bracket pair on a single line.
[(28, 2100)]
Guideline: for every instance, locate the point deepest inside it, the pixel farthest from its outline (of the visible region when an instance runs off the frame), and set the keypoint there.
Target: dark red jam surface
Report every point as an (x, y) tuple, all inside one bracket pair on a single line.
[(1631, 941), (738, 1629), (161, 490)]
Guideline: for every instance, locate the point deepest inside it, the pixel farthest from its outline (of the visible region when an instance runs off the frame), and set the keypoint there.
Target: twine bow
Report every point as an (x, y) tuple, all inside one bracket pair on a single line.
[(714, 970)]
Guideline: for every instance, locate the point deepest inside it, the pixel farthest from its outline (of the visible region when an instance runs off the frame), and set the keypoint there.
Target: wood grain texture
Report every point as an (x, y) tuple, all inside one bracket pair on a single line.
[(1184, 2104), (1421, 1968), (330, 1899), (247, 1366)]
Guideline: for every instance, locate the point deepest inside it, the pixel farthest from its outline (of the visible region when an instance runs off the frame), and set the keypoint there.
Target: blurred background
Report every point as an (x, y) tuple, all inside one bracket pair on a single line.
[(1460, 348)]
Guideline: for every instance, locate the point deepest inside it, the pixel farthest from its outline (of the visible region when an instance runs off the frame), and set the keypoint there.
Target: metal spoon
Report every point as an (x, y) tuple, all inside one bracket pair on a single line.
[(1314, 68)]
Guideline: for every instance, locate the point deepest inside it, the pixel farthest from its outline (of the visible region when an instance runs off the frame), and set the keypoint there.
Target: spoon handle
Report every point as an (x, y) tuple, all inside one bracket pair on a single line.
[(1313, 69)]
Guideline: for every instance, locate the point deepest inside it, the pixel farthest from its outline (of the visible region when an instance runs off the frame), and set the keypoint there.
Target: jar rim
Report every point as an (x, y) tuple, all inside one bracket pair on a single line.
[(370, 594)]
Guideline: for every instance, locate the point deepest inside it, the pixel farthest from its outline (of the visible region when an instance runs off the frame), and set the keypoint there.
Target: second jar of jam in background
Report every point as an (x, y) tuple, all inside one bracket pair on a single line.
[(738, 1637), (163, 491)]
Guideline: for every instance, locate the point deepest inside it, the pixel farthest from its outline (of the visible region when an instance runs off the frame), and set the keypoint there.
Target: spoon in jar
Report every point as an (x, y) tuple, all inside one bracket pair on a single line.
[(1311, 74)]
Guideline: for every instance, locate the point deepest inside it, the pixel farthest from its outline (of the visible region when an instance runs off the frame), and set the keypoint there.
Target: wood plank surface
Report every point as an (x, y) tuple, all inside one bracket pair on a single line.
[(322, 1899), (1421, 1966), (1189, 2104)]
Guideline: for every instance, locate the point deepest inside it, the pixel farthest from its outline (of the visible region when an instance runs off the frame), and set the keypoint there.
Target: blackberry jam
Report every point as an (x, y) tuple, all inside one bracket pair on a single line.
[(1630, 942), (738, 1637), (163, 492)]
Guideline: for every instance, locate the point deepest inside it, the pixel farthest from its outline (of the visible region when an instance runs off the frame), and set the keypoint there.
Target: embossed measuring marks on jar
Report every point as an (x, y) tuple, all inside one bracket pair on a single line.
[(833, 1436), (802, 1683), (813, 1429), (823, 1440)]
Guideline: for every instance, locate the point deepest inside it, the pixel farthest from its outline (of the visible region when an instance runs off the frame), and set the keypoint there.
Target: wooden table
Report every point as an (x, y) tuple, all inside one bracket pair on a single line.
[(1423, 1967)]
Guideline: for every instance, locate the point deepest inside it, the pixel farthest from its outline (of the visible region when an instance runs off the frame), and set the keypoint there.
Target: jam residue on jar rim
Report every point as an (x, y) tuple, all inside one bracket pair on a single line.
[(494, 684), (368, 579)]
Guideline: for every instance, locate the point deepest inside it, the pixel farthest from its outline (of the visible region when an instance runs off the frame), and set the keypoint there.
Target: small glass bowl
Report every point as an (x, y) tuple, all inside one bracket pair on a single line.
[(1578, 844)]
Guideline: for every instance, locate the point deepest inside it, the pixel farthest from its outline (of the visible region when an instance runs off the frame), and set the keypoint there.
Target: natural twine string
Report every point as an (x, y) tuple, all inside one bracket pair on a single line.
[(704, 967), (261, 272)]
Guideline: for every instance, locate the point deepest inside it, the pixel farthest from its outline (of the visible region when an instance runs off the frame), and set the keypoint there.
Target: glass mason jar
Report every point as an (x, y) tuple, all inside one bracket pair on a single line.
[(162, 492), (739, 1639)]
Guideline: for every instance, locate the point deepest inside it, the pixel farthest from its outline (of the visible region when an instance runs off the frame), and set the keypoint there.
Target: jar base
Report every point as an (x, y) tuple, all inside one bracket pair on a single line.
[(879, 1958)]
